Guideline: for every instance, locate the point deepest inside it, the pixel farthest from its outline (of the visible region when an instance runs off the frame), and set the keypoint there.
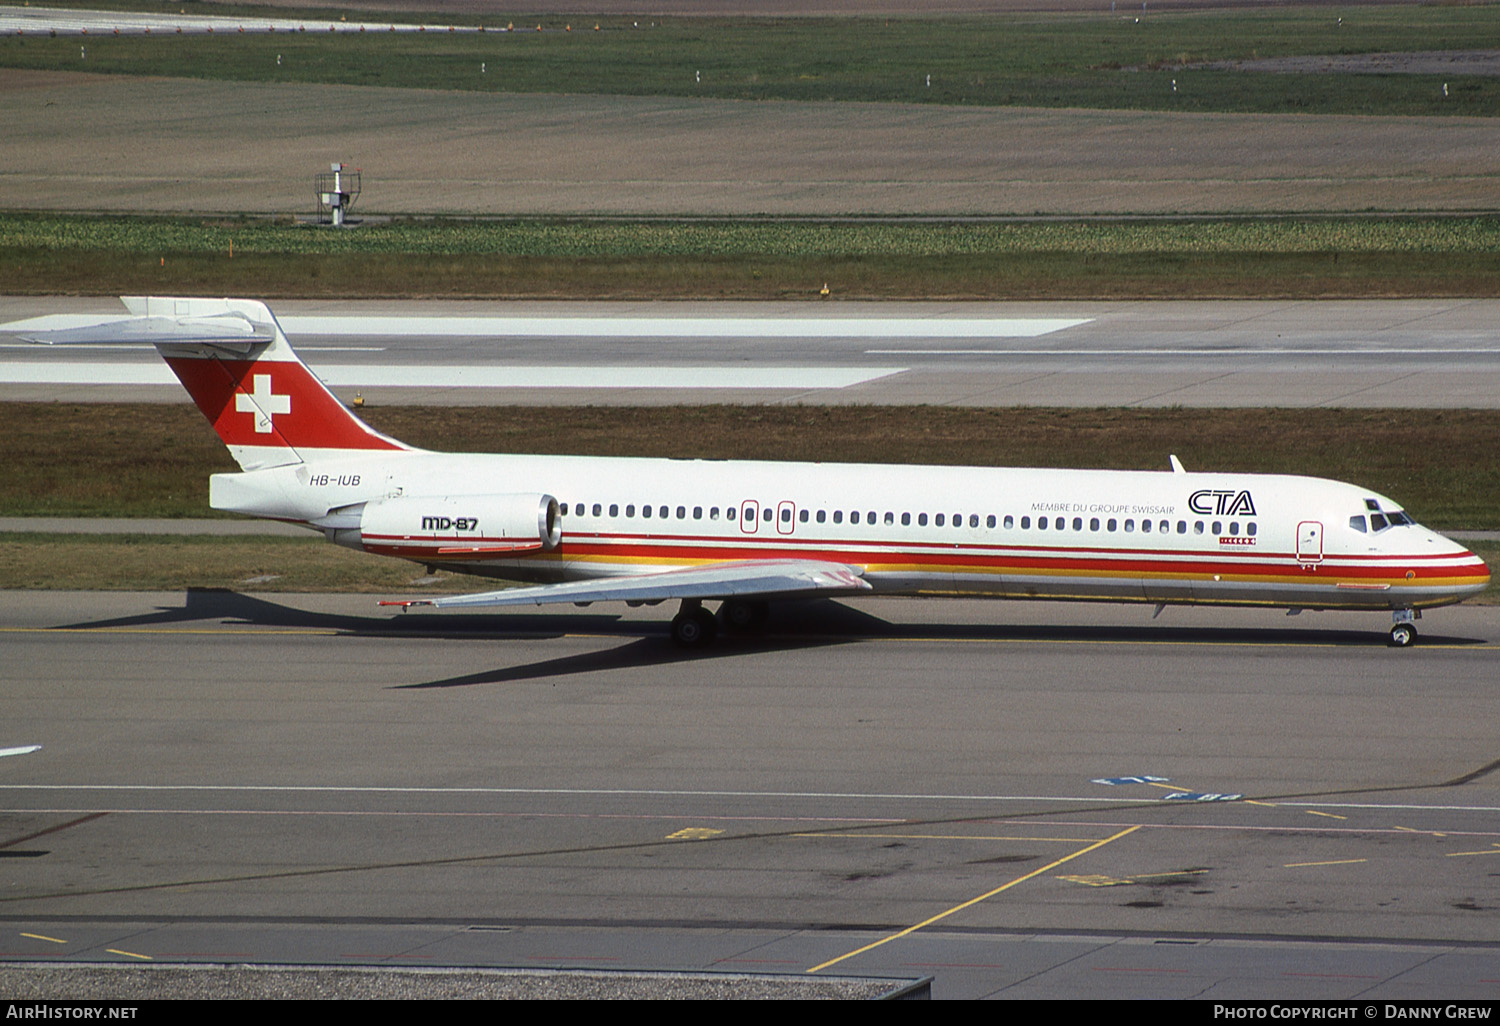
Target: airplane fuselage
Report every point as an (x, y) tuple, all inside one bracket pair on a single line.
[(1242, 539)]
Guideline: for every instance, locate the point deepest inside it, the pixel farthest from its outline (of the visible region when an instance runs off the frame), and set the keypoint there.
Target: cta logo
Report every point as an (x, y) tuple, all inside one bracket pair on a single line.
[(1212, 502)]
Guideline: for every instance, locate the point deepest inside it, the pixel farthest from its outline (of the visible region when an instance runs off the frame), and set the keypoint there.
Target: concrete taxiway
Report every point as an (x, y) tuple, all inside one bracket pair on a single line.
[(1062, 799), (1408, 353)]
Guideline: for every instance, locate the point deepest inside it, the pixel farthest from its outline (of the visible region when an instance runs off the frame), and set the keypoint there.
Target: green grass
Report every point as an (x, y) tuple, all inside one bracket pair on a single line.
[(151, 460), (1284, 257), (1101, 60), (793, 239)]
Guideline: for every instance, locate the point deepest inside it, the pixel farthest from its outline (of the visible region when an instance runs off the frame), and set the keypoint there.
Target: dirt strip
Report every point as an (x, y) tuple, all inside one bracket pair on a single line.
[(84, 142)]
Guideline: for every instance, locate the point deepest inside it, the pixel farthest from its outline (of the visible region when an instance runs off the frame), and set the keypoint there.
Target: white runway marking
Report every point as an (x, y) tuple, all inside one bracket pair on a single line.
[(628, 327), (48, 373), (683, 327), (1350, 350), (39, 21)]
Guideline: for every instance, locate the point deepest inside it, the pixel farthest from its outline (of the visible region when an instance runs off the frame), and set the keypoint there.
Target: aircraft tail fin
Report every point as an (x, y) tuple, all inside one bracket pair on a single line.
[(234, 360)]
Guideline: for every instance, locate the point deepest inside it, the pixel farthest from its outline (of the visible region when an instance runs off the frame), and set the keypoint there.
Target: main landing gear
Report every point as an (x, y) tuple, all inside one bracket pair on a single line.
[(1404, 630), (694, 626)]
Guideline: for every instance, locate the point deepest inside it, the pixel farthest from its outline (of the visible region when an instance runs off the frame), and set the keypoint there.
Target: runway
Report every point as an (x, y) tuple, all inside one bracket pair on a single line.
[(1061, 799), (1422, 353)]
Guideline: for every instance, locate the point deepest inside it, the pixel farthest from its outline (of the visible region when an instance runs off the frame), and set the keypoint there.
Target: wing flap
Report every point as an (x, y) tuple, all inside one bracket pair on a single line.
[(758, 578)]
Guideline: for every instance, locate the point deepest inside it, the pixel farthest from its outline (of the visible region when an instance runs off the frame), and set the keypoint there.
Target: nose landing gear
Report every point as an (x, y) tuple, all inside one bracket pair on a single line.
[(1404, 630)]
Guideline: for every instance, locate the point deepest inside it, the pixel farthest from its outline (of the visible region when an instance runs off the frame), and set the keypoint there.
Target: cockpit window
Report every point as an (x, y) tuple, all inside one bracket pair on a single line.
[(1358, 523), (1378, 522), (1399, 519), (1371, 504)]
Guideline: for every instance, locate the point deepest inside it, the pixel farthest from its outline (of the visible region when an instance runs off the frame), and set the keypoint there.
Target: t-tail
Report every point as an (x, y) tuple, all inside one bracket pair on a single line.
[(234, 360)]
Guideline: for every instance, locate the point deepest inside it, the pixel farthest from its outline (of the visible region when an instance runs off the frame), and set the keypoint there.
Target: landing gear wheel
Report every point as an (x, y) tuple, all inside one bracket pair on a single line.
[(1403, 635), (742, 616), (694, 628)]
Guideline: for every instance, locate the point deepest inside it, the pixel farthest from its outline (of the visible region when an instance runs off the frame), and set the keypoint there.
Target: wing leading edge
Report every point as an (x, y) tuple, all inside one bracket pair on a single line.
[(752, 578)]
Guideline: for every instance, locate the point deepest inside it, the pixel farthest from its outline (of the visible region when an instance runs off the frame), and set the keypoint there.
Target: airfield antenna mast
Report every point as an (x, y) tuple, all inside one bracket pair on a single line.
[(337, 190)]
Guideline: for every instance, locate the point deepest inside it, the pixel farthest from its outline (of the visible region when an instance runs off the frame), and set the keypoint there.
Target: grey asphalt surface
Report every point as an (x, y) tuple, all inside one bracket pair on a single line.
[(1408, 353), (242, 778)]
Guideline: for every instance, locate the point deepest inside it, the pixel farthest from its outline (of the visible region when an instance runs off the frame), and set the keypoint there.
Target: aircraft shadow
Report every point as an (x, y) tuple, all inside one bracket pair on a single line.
[(810, 623)]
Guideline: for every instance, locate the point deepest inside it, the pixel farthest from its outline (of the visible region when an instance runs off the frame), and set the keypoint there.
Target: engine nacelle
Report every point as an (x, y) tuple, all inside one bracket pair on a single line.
[(454, 528)]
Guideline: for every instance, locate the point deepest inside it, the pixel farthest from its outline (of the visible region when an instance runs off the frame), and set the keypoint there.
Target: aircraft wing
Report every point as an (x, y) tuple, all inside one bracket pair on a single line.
[(752, 578)]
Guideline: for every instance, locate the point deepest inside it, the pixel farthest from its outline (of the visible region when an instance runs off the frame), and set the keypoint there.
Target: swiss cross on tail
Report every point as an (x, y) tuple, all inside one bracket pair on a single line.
[(262, 403)]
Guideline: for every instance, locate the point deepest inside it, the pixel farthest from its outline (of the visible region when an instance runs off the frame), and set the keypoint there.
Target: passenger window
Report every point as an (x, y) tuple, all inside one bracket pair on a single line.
[(1250, 529), (1010, 521), (870, 517), (1197, 527), (1217, 528), (768, 514), (1041, 523), (1165, 526), (1129, 526), (1234, 527), (890, 519), (973, 519), (989, 521), (1094, 524), (598, 509), (1182, 527), (630, 510), (958, 520), (1111, 525), (1146, 526), (697, 512), (822, 516), (906, 520), (786, 514), (713, 512), (802, 516), (681, 512), (728, 512), (921, 519), (646, 511), (614, 509), (854, 516), (1078, 523), (1025, 523), (939, 520), (838, 516)]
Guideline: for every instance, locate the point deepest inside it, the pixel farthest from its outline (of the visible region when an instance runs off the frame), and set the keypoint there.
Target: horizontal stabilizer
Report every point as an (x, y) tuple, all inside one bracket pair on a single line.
[(229, 331), (753, 579)]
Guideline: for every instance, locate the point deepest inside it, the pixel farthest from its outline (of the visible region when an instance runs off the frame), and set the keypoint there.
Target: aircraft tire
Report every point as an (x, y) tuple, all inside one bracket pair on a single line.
[(742, 616), (694, 628), (1403, 635)]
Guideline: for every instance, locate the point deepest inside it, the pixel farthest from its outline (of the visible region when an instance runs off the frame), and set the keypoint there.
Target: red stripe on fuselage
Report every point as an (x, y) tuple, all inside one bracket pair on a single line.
[(690, 549)]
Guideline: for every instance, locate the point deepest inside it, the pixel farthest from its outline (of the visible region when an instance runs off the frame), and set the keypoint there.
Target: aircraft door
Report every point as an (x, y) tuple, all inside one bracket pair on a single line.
[(786, 517), (749, 516), (1310, 542)]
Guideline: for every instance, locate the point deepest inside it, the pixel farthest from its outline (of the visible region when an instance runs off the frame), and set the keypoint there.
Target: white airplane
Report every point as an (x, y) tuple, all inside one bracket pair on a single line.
[(586, 529)]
